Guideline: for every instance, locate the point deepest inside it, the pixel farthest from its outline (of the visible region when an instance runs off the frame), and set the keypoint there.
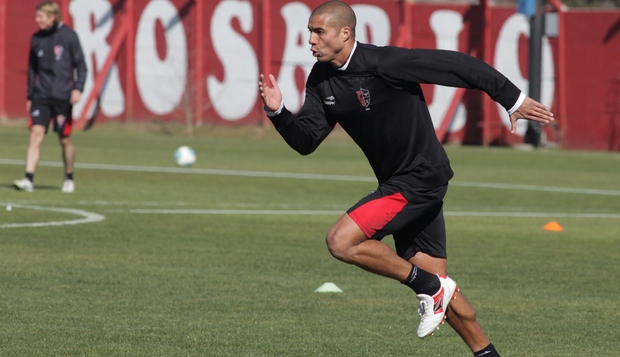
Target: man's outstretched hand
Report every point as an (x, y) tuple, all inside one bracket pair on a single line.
[(531, 110), (271, 96)]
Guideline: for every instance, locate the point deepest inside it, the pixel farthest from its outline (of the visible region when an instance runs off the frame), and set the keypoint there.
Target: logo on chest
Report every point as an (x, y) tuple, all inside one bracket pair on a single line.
[(331, 100), (58, 50), (363, 95)]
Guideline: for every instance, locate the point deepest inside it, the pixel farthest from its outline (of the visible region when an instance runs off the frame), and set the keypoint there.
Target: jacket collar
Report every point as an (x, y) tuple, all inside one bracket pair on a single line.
[(346, 64)]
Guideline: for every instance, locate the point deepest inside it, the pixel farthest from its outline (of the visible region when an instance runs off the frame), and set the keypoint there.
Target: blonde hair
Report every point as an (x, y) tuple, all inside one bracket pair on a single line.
[(50, 8)]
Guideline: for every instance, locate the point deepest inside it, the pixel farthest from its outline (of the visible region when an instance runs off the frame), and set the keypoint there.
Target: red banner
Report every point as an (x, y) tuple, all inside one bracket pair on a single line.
[(187, 60)]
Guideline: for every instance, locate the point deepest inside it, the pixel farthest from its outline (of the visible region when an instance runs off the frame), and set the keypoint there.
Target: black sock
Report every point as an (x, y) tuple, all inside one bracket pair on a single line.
[(68, 175), (488, 351), (422, 282), (30, 176)]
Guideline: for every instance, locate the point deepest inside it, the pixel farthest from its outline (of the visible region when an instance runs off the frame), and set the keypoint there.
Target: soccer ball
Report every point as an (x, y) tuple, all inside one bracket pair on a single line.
[(185, 156)]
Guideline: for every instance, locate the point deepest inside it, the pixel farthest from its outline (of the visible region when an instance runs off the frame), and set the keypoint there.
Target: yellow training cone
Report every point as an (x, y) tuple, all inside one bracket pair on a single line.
[(553, 226)]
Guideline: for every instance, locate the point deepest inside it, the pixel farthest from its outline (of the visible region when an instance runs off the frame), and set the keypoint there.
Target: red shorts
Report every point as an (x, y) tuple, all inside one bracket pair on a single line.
[(44, 111), (412, 215)]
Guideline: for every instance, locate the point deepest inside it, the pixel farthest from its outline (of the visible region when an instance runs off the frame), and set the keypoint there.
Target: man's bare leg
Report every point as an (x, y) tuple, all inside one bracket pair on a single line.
[(68, 153), (348, 243), (37, 134)]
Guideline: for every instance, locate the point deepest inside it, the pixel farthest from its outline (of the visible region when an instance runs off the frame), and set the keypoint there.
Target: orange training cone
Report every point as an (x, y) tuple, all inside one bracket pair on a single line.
[(553, 226)]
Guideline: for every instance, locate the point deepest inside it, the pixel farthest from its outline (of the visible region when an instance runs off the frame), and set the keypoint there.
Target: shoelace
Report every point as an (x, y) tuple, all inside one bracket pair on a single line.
[(422, 308)]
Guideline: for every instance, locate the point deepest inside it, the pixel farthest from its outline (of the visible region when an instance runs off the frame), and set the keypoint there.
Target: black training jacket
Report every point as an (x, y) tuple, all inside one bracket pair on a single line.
[(53, 56), (378, 101)]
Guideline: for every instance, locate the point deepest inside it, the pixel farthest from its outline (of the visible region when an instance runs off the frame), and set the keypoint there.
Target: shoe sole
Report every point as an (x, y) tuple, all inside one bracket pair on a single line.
[(69, 189), (20, 188)]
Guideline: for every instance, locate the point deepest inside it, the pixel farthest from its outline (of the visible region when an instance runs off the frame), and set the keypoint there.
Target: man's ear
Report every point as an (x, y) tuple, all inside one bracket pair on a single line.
[(345, 33)]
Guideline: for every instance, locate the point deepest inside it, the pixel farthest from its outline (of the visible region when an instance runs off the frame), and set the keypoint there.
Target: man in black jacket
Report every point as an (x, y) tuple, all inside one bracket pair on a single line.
[(52, 89), (374, 94)]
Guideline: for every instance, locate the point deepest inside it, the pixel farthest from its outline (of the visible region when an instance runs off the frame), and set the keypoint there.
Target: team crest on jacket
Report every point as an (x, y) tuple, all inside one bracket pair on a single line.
[(364, 97), (58, 49)]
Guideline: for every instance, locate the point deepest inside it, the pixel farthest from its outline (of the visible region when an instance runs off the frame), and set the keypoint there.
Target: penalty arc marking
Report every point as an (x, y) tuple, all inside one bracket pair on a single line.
[(87, 217)]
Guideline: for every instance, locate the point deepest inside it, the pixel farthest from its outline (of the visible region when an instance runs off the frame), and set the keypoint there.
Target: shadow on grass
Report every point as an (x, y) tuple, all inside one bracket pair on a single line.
[(37, 187)]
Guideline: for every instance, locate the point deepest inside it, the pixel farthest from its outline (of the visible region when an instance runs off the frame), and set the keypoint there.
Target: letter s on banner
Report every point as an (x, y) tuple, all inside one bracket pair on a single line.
[(296, 54), (234, 97), (161, 84)]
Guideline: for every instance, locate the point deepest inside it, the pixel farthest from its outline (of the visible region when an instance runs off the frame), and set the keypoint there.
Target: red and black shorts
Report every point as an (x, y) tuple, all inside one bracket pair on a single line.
[(412, 215), (44, 111)]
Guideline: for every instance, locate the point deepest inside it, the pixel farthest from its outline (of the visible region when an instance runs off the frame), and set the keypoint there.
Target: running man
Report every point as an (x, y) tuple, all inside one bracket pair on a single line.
[(374, 94)]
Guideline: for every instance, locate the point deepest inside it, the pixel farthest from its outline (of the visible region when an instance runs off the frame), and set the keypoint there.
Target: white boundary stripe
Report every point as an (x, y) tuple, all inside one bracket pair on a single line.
[(587, 191), (89, 217), (534, 214), (236, 211), (327, 212), (186, 170)]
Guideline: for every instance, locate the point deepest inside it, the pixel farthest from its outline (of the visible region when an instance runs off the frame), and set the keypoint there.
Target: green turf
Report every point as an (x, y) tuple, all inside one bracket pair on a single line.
[(155, 284)]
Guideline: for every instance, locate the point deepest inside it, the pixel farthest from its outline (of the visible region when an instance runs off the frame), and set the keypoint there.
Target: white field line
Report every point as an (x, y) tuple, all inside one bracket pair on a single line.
[(237, 211), (186, 170), (587, 191), (502, 186), (533, 214), (329, 212), (88, 217)]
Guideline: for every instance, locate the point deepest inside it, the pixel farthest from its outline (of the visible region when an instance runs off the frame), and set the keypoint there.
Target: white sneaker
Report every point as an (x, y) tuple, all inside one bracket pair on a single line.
[(24, 185), (68, 186), (432, 309)]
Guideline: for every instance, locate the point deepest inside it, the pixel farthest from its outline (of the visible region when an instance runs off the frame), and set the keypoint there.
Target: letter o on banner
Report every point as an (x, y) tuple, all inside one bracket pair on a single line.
[(161, 83)]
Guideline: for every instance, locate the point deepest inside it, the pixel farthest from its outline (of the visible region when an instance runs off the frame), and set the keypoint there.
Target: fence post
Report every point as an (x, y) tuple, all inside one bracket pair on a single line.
[(199, 63), (130, 69), (266, 49), (3, 59), (486, 57), (537, 28)]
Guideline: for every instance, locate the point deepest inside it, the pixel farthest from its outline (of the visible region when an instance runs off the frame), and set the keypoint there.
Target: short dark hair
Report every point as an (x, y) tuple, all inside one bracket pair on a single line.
[(339, 15)]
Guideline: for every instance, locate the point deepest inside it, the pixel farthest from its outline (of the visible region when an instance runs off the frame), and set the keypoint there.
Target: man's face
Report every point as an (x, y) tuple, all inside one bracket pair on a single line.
[(44, 21), (325, 40)]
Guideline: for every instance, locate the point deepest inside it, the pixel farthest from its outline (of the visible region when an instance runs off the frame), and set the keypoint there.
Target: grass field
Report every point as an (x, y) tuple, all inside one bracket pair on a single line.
[(223, 259)]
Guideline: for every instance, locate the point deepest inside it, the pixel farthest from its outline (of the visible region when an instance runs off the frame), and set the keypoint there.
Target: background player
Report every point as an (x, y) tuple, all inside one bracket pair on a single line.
[(55, 52)]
